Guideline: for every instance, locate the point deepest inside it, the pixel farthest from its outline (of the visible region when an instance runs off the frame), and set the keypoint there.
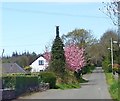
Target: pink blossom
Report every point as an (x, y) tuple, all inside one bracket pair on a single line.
[(74, 57)]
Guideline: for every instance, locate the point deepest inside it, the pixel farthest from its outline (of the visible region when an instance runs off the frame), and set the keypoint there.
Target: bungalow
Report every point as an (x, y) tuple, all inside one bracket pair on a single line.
[(39, 65)]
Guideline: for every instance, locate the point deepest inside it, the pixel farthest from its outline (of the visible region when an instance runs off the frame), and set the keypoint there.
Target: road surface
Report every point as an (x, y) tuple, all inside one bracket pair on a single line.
[(96, 88)]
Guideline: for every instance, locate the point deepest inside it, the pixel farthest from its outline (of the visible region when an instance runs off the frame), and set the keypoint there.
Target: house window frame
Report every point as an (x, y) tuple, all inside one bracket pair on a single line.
[(41, 62)]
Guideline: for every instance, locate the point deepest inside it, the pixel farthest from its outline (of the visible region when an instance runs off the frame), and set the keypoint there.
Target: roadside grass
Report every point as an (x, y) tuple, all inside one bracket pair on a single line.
[(113, 86), (64, 86), (82, 80), (71, 85)]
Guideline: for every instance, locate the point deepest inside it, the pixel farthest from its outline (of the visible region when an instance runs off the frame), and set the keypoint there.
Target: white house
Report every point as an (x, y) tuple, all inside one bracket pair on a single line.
[(39, 65)]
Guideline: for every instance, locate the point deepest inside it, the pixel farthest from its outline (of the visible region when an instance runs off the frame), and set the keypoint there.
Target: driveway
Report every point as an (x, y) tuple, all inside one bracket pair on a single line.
[(96, 88)]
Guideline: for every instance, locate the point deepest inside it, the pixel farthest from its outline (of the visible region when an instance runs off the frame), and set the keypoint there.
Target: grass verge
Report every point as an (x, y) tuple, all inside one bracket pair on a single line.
[(64, 86), (113, 86)]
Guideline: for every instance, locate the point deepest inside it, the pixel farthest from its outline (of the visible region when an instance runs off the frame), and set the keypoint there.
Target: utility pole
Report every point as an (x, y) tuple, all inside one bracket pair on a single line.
[(119, 32), (112, 53), (119, 49), (3, 53)]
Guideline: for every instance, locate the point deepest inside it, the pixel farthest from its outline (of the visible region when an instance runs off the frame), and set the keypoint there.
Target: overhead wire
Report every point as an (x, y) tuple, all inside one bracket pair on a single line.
[(50, 13), (46, 13)]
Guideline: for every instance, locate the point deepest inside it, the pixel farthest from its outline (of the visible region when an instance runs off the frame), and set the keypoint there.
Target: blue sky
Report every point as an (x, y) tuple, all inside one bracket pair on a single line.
[(31, 26)]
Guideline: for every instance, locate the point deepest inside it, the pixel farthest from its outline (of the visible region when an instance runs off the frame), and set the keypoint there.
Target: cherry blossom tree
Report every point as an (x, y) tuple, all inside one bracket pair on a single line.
[(74, 55), (47, 56)]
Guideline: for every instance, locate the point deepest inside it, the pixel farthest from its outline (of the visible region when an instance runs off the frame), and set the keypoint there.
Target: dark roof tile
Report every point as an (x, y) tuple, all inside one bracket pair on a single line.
[(11, 68)]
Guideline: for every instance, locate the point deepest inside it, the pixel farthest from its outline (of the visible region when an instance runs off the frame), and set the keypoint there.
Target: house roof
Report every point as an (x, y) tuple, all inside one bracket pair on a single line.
[(8, 68)]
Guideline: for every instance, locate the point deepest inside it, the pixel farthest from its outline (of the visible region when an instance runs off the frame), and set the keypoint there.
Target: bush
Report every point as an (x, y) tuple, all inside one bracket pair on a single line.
[(48, 77), (116, 68), (106, 66), (88, 69)]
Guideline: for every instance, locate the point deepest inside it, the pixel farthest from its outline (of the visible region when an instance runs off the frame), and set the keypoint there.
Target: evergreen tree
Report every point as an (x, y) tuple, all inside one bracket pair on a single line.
[(57, 64)]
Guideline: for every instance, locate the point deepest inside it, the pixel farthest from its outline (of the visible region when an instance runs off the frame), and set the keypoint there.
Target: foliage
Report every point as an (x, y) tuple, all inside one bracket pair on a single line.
[(94, 54), (113, 86), (116, 68), (9, 82), (82, 38), (67, 86), (105, 42), (27, 68), (57, 63), (106, 66), (22, 83), (48, 77), (24, 59), (88, 69), (75, 59)]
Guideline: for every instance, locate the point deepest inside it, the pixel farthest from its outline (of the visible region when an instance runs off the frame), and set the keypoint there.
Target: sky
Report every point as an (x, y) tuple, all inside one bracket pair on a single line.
[(30, 26)]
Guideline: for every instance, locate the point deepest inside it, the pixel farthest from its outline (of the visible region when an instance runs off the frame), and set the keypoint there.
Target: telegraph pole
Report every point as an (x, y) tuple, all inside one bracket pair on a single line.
[(112, 53), (119, 49), (119, 29), (3, 53)]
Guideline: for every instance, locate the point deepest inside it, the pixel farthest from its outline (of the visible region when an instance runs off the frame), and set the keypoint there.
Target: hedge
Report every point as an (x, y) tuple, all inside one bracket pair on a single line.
[(49, 77), (46, 77), (23, 82), (26, 83)]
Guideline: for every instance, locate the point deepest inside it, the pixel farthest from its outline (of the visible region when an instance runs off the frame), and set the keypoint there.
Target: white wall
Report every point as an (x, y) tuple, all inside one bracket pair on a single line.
[(36, 67)]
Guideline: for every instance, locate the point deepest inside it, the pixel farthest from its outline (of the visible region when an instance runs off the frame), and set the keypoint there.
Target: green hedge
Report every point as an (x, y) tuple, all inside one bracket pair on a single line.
[(106, 66), (49, 77), (9, 81), (25, 83), (22, 82), (46, 77)]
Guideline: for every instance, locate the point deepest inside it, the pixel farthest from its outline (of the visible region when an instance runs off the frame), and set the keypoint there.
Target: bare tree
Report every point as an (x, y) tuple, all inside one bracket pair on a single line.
[(111, 10)]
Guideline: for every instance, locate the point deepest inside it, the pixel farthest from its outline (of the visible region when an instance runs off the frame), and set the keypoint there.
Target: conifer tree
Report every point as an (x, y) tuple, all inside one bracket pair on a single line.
[(57, 64)]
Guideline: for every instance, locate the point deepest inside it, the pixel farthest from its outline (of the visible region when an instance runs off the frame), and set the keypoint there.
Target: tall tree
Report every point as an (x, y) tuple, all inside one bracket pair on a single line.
[(57, 64), (106, 40), (82, 38), (113, 12)]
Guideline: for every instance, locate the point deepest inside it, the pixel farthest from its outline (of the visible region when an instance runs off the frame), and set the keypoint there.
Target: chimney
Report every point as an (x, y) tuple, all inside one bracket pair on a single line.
[(57, 31)]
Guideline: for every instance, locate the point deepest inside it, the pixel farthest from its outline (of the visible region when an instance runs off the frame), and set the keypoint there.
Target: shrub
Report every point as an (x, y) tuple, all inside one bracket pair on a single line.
[(48, 77), (88, 69), (106, 66), (116, 68)]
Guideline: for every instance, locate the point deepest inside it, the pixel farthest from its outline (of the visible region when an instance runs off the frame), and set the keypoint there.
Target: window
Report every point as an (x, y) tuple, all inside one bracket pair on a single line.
[(41, 62)]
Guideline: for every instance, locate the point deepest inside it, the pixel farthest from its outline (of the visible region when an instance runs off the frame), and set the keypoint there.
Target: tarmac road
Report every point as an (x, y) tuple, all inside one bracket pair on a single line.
[(96, 88)]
